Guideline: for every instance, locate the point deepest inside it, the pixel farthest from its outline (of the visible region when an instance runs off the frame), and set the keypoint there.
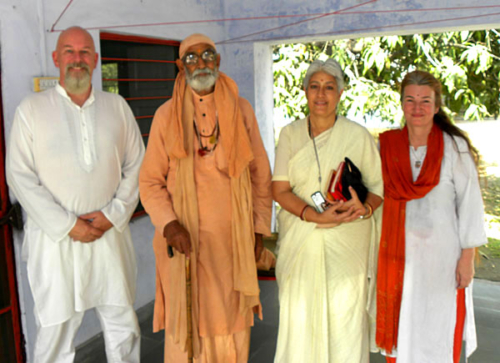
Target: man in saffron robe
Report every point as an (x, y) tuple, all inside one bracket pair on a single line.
[(205, 182)]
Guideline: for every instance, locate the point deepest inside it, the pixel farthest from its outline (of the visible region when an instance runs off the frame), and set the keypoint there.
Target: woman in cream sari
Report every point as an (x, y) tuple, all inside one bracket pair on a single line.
[(324, 259)]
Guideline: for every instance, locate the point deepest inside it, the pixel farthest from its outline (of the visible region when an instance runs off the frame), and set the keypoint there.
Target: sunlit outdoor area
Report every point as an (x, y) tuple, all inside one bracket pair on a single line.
[(467, 64), (485, 136)]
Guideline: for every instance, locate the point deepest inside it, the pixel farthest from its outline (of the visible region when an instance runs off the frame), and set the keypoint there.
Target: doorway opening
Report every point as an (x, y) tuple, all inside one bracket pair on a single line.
[(467, 64)]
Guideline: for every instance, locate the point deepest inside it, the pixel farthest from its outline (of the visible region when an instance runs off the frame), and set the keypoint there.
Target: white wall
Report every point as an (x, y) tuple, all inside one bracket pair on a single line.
[(26, 45), (20, 60)]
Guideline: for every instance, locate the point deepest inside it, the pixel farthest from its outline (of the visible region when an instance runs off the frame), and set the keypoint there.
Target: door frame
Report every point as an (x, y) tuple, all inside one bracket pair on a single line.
[(6, 230)]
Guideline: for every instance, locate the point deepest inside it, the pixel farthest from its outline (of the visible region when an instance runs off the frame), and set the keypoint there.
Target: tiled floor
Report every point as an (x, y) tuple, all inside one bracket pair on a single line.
[(264, 334)]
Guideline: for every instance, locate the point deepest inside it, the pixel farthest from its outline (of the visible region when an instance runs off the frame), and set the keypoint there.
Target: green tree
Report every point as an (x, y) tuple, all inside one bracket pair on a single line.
[(467, 63)]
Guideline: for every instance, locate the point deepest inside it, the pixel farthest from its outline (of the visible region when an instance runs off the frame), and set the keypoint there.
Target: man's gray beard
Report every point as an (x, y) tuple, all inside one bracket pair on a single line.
[(76, 85), (202, 83)]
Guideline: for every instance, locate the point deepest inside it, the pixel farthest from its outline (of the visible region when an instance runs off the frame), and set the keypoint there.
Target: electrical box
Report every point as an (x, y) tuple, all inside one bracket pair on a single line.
[(42, 83)]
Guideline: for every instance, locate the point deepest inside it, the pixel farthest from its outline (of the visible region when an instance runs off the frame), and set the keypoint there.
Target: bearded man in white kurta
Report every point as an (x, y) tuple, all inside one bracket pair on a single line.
[(73, 162)]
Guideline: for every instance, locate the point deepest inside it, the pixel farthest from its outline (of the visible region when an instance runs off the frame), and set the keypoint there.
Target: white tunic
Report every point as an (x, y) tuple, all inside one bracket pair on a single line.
[(64, 161), (448, 219)]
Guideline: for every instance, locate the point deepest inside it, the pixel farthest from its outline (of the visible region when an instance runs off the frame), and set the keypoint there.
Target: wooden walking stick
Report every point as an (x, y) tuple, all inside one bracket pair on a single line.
[(189, 341)]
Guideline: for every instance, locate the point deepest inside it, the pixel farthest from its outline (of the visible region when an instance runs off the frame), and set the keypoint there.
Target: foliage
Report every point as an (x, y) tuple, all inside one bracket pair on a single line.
[(491, 195), (492, 249), (110, 71), (467, 63)]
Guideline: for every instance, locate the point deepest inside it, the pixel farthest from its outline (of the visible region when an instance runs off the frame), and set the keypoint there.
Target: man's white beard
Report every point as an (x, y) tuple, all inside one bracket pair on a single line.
[(202, 83), (77, 85)]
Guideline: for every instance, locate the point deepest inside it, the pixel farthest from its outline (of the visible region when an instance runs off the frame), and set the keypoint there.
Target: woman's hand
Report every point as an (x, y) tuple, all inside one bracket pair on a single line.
[(358, 208), (335, 215), (465, 268), (337, 212)]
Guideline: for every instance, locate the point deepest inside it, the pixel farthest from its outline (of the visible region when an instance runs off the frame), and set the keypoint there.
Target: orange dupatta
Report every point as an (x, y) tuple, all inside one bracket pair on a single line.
[(398, 189)]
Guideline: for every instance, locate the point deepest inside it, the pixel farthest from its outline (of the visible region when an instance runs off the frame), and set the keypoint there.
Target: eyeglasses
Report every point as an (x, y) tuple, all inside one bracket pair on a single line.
[(207, 56)]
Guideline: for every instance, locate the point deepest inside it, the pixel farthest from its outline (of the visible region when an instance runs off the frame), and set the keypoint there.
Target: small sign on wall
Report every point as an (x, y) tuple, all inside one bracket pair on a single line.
[(42, 83)]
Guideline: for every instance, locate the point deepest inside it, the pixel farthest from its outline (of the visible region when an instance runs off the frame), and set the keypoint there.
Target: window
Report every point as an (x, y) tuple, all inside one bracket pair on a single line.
[(142, 70)]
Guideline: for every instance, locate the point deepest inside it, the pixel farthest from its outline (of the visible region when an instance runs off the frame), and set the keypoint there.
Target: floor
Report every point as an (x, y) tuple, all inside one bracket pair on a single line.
[(264, 334)]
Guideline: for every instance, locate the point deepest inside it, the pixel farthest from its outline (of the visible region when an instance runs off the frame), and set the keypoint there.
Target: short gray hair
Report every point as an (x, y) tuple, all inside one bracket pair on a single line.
[(331, 67)]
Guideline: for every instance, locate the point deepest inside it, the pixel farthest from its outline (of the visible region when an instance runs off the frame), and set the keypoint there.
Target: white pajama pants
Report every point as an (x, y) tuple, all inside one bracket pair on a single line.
[(122, 336)]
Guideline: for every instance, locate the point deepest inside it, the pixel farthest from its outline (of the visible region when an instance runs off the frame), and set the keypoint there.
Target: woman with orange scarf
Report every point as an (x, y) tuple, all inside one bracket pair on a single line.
[(432, 220)]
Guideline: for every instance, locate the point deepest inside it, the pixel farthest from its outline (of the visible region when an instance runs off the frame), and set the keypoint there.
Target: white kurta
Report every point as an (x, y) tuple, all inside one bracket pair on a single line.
[(323, 274), (64, 161), (448, 219)]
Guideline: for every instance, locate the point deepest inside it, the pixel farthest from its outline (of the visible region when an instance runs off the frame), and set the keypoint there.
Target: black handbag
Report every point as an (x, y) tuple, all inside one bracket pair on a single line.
[(351, 176)]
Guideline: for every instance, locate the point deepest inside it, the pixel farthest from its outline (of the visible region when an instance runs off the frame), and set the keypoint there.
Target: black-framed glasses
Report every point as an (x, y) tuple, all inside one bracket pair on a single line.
[(207, 56)]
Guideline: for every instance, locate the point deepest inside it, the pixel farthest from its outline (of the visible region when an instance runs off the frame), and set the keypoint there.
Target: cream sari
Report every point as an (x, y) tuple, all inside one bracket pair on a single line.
[(326, 276)]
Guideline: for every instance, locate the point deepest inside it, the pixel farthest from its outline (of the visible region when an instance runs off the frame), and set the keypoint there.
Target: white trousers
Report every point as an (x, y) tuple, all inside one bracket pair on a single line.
[(122, 336)]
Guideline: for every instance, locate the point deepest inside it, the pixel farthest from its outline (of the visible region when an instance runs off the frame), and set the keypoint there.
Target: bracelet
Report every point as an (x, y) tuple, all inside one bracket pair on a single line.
[(370, 211), (302, 213)]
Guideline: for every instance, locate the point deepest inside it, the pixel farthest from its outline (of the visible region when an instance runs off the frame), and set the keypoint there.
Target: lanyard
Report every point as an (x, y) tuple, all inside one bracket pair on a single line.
[(315, 151)]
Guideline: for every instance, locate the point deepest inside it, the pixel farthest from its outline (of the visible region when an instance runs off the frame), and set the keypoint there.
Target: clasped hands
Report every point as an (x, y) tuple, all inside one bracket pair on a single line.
[(178, 237), (337, 212), (90, 227)]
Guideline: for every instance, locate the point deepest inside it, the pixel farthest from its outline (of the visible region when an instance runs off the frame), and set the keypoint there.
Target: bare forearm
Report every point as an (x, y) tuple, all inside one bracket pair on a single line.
[(283, 194), (295, 205), (289, 201), (374, 200), (468, 254), (465, 268)]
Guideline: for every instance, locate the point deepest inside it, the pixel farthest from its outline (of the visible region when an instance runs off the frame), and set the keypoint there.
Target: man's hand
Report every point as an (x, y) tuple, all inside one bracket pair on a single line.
[(97, 220), (259, 246), (84, 232), (178, 237)]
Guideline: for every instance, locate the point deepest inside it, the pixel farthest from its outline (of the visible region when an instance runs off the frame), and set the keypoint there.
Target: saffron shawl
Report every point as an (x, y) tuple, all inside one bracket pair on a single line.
[(399, 188), (235, 143)]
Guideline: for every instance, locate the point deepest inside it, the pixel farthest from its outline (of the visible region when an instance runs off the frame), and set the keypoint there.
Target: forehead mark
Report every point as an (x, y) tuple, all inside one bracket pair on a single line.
[(323, 80)]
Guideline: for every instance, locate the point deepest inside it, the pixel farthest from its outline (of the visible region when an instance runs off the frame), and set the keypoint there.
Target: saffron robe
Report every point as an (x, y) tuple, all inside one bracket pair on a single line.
[(219, 302)]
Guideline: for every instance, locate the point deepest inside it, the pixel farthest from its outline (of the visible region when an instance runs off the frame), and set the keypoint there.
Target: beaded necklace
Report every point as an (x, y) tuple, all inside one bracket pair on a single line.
[(213, 138)]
